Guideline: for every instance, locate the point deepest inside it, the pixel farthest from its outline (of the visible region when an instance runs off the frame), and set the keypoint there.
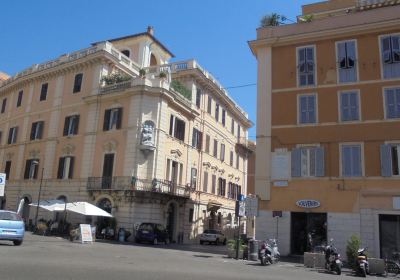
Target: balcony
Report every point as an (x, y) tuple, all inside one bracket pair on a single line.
[(244, 146), (127, 183), (371, 4)]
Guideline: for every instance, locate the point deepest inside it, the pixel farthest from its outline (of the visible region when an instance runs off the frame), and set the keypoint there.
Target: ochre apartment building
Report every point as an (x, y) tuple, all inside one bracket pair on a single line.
[(119, 126), (328, 116)]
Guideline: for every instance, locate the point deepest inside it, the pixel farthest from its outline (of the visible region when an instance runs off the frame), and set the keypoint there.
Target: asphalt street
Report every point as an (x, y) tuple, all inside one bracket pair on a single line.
[(43, 257)]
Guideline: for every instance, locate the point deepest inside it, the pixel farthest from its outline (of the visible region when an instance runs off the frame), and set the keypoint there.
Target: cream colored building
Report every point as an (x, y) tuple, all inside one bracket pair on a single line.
[(169, 148), (327, 156)]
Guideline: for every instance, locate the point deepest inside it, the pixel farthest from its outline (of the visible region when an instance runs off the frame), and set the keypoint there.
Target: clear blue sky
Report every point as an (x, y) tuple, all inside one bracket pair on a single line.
[(214, 32)]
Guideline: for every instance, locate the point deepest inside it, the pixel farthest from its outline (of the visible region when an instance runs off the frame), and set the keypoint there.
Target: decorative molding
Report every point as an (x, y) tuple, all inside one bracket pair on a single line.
[(176, 152), (110, 146), (34, 153), (9, 155), (68, 149), (222, 171)]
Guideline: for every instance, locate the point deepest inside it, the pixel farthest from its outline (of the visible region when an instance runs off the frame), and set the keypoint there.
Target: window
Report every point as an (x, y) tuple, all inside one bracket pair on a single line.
[(197, 139), (43, 92), (1, 136), (208, 144), (209, 104), (71, 125), (217, 112), (3, 105), (306, 66), (223, 117), (126, 53), (215, 154), (7, 169), (12, 135), (177, 128), (65, 167), (222, 152), (37, 130), (198, 98), (112, 119), (221, 186), (19, 100), (205, 183), (191, 214), (237, 161), (349, 106), (193, 178), (390, 46), (231, 159), (346, 52), (213, 183), (308, 162), (392, 103), (351, 161), (31, 169), (307, 109), (233, 126), (238, 131), (77, 83), (390, 155)]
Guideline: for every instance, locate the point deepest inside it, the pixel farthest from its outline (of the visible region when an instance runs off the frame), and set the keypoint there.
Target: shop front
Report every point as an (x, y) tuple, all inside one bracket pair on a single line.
[(389, 235)]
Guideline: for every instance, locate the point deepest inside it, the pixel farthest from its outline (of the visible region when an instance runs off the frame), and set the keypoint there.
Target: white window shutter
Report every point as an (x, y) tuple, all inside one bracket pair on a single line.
[(341, 48), (296, 162), (320, 162)]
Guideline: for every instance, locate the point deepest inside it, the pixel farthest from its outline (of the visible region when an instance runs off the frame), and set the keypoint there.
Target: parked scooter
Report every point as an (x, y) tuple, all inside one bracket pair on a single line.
[(269, 252), (332, 259), (362, 266)]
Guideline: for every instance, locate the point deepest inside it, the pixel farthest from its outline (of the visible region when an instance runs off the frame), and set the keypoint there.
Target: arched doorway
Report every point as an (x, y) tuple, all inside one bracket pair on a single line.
[(105, 226), (172, 221), (153, 60)]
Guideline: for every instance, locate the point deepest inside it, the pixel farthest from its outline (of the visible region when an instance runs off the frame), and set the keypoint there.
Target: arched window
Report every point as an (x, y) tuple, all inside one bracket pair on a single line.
[(126, 53), (153, 60), (105, 204)]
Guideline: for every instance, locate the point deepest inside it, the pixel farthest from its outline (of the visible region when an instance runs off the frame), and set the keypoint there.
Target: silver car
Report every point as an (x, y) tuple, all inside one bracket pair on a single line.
[(212, 236)]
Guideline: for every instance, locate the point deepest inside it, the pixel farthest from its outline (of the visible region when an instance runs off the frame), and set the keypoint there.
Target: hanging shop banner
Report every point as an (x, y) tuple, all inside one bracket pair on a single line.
[(308, 203)]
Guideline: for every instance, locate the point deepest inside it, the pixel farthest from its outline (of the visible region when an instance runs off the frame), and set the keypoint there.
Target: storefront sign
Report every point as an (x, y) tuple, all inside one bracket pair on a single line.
[(277, 214), (308, 203), (2, 183), (86, 233)]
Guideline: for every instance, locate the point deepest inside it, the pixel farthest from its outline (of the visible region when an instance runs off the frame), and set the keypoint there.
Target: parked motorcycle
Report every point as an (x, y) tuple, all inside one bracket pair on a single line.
[(332, 259), (362, 266), (269, 252)]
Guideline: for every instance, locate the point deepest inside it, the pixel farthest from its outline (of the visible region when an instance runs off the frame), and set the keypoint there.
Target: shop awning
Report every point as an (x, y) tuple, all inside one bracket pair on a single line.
[(213, 206)]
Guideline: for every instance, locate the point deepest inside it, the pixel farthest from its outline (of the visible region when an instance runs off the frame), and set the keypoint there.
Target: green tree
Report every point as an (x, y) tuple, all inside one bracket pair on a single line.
[(353, 244)]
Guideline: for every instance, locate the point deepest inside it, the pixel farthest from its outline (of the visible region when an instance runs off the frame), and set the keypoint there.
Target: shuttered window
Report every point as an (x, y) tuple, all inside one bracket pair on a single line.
[(112, 119), (217, 112), (307, 109), (222, 152), (193, 178), (65, 167), (208, 144), (43, 92), (19, 100), (223, 117), (351, 160), (392, 103), (215, 154), (233, 126), (177, 128), (31, 169), (308, 162), (37, 130), (306, 66), (349, 106), (77, 83), (390, 155), (197, 138), (346, 52), (12, 135), (205, 182), (3, 105), (198, 98), (71, 125), (213, 183), (390, 47), (209, 103)]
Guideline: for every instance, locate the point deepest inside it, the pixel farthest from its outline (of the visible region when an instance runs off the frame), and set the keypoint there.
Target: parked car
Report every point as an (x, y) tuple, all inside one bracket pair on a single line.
[(212, 236), (151, 232), (12, 227)]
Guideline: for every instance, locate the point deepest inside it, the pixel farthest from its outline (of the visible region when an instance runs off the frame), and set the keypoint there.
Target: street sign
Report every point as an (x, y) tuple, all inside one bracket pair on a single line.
[(2, 183), (251, 206), (277, 214), (240, 210)]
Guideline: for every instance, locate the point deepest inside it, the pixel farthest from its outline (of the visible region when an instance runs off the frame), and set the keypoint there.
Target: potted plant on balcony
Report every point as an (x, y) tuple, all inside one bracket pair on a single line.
[(162, 75), (142, 73)]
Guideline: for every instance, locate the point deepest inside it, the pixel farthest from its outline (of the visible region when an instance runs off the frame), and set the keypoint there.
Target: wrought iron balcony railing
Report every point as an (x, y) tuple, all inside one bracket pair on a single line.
[(122, 183)]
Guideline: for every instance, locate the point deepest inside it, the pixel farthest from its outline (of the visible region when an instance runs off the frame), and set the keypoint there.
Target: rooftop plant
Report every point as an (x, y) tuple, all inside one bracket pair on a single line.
[(115, 78), (179, 87), (273, 19)]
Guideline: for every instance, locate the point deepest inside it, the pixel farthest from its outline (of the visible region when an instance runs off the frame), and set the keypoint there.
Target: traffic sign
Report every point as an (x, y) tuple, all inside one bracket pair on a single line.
[(2, 183)]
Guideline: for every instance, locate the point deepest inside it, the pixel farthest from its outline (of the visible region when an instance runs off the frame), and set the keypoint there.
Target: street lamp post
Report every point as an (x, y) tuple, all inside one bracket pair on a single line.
[(40, 192)]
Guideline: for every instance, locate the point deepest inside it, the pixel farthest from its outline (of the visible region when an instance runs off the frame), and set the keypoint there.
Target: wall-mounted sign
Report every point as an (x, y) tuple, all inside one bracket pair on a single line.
[(2, 183), (308, 203), (277, 214)]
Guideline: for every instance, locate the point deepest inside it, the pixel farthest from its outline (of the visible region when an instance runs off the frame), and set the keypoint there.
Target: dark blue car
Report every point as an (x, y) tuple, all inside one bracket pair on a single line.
[(153, 233)]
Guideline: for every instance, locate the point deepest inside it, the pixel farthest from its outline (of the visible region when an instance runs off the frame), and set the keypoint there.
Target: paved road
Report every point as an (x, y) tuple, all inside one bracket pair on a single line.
[(45, 258)]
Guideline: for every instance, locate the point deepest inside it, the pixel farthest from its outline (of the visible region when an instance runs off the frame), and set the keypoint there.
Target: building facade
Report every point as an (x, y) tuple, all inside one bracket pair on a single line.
[(327, 162), (119, 126)]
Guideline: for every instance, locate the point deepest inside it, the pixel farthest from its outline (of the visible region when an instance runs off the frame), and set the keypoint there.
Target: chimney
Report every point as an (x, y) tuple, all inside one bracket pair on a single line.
[(150, 30)]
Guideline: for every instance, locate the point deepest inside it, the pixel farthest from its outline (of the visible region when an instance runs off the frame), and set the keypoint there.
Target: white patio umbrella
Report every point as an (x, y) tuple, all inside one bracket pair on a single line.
[(51, 205), (87, 209)]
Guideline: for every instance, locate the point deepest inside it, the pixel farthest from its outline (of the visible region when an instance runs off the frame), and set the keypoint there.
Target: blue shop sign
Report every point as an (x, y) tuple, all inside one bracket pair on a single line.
[(308, 203)]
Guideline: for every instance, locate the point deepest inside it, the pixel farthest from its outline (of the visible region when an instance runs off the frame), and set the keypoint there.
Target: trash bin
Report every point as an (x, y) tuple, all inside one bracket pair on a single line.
[(253, 250), (121, 235)]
